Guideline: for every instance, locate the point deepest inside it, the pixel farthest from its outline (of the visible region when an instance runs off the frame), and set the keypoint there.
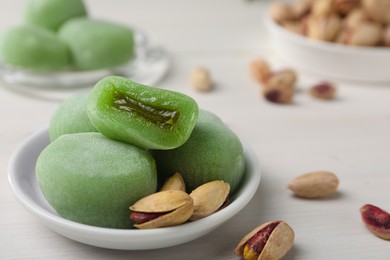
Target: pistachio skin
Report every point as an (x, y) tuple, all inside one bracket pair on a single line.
[(145, 116)]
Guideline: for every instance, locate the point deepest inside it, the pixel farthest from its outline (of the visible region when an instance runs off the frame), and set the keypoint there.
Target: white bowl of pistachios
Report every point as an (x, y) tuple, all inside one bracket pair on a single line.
[(348, 40)]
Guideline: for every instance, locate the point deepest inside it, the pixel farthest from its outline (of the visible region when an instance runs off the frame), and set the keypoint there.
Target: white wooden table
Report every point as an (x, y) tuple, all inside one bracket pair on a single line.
[(349, 136)]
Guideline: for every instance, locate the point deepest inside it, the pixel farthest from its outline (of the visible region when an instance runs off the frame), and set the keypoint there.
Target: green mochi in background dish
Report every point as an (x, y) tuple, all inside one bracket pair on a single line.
[(71, 117), (51, 14), (97, 44), (148, 117), (35, 48), (213, 152), (90, 179)]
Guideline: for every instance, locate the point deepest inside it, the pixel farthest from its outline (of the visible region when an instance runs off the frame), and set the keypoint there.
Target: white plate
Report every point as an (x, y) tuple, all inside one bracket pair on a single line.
[(148, 66), (23, 182), (365, 64)]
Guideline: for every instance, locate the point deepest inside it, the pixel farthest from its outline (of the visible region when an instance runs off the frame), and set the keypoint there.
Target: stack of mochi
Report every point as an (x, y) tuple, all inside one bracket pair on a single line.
[(58, 35), (117, 144)]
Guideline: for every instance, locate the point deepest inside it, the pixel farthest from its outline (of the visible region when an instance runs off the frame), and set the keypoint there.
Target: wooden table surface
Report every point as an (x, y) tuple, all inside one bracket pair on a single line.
[(349, 136)]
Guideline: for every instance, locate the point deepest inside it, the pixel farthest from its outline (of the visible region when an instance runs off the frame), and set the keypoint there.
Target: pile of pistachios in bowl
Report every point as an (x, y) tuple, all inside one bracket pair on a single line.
[(348, 22)]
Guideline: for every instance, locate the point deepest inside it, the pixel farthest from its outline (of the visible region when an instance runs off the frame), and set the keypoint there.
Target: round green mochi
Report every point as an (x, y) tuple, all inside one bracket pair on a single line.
[(213, 152), (33, 48), (148, 117), (51, 14), (90, 179), (97, 44), (71, 117)]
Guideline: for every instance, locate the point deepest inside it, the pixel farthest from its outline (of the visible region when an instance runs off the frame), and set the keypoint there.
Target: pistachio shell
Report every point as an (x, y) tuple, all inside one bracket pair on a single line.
[(176, 217), (162, 201), (208, 198), (314, 184), (175, 182), (277, 245)]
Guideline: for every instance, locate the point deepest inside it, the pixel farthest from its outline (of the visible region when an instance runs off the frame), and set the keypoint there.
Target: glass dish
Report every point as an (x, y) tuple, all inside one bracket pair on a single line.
[(148, 66)]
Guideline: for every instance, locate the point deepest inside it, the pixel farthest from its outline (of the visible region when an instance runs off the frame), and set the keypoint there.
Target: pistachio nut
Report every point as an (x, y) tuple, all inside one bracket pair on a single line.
[(260, 69), (344, 7), (314, 184), (355, 18), (175, 182), (377, 10), (386, 36), (162, 209), (280, 86), (366, 34), (321, 8), (377, 220), (271, 240), (323, 28), (280, 12), (208, 198)]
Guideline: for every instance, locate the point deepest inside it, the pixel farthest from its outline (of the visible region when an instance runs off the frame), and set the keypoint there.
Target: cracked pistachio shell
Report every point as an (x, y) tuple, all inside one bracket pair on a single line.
[(175, 182), (279, 242), (178, 205), (208, 198)]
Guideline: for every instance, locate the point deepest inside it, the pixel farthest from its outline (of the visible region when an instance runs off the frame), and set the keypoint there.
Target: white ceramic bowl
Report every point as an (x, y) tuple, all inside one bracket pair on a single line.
[(23, 182), (365, 64)]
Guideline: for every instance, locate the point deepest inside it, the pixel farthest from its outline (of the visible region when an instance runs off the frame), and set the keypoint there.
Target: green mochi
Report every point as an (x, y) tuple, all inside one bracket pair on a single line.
[(33, 48), (213, 152), (71, 117), (97, 44), (90, 179), (148, 117), (51, 14)]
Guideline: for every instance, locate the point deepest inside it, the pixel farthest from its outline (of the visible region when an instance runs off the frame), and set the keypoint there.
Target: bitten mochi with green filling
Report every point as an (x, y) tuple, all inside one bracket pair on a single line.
[(90, 179), (213, 152), (71, 117), (145, 116)]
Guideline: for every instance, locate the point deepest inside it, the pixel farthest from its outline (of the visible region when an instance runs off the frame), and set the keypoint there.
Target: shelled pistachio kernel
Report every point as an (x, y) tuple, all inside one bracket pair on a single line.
[(162, 209), (271, 240), (200, 79), (314, 184)]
